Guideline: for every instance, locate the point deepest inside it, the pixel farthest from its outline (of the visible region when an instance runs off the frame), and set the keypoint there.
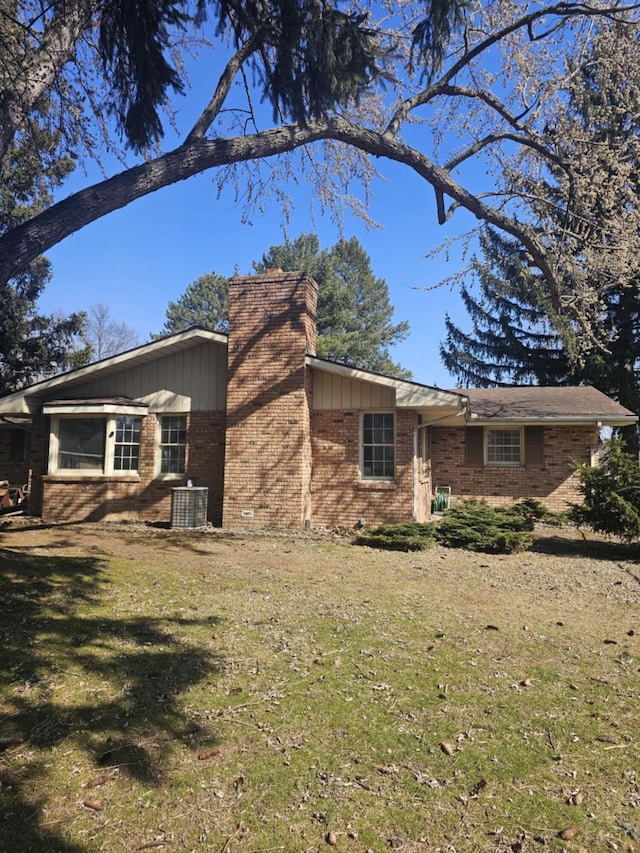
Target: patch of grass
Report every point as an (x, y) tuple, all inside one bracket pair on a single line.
[(257, 694)]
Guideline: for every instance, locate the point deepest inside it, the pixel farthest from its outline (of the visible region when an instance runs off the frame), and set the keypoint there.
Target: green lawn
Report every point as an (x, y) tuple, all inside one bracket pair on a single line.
[(219, 693)]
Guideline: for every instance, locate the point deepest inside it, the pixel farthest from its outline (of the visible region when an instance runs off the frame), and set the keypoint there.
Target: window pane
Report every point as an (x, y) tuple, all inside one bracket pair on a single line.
[(126, 452), (503, 446), (174, 430), (81, 444), (172, 460), (378, 445), (173, 439), (128, 429)]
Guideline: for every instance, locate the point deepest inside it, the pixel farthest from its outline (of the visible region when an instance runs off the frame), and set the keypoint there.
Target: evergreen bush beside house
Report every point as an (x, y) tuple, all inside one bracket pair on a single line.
[(475, 526), (409, 536), (611, 494), (472, 525)]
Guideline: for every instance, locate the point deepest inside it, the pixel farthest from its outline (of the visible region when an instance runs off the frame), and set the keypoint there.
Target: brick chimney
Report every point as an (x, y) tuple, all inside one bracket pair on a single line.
[(272, 327)]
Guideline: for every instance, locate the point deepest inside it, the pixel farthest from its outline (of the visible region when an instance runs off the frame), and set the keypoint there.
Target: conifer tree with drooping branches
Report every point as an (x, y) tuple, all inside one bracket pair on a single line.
[(516, 334), (311, 91)]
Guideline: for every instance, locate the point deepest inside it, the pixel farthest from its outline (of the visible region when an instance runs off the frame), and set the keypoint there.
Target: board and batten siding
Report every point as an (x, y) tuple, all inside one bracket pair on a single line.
[(192, 380), (332, 392)]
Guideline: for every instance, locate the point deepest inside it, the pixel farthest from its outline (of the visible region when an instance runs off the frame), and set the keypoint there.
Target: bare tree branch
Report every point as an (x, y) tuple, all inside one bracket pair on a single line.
[(26, 81), (39, 234), (216, 103)]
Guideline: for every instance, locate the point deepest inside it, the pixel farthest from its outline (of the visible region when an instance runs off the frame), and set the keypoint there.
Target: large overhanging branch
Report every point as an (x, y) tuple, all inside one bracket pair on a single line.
[(24, 243)]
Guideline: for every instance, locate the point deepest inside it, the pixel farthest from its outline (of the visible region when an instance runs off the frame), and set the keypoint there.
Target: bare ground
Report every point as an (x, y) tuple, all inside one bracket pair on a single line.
[(566, 572)]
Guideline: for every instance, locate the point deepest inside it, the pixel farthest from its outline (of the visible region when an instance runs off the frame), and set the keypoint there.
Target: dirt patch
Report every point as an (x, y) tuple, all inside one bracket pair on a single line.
[(564, 569)]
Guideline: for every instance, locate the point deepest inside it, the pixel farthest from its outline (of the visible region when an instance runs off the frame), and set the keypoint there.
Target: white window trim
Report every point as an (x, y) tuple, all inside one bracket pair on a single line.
[(170, 475), (109, 447), (371, 479), (485, 445)]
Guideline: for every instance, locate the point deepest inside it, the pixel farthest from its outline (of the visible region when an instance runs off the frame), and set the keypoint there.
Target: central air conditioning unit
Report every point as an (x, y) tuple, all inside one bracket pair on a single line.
[(189, 506)]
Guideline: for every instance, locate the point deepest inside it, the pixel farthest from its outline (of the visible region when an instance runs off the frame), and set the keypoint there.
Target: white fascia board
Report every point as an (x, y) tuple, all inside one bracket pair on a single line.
[(94, 409), (410, 395)]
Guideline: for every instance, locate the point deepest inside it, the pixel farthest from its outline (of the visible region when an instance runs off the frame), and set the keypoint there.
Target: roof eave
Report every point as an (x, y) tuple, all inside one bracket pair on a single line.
[(409, 395)]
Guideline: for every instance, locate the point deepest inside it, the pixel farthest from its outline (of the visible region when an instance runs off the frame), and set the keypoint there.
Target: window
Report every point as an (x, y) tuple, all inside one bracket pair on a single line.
[(126, 453), (378, 446), (93, 445), (81, 444), (17, 445), (173, 442), (503, 446)]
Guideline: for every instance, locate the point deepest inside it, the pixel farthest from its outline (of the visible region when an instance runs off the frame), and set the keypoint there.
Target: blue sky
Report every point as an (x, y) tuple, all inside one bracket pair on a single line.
[(138, 259)]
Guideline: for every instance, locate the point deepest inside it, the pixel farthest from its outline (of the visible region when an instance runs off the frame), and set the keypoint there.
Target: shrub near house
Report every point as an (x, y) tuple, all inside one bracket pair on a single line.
[(472, 525)]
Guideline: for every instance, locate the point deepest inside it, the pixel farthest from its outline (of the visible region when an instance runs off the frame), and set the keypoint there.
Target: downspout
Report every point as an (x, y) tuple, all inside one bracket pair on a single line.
[(415, 471)]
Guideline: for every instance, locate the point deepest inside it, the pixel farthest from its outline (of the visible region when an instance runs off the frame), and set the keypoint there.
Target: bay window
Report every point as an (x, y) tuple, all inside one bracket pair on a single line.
[(81, 443), (126, 453), (89, 439)]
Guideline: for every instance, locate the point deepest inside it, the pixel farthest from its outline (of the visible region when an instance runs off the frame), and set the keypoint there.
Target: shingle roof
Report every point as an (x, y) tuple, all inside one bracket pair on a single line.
[(535, 402)]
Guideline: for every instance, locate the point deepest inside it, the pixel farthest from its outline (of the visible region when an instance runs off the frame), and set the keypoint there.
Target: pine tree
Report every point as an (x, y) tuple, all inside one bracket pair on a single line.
[(32, 344), (517, 334), (355, 316), (512, 339), (205, 303)]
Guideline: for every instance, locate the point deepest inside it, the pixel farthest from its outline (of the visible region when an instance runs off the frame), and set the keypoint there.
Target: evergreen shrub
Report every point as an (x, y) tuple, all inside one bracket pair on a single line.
[(409, 536), (611, 494), (476, 526), (535, 510)]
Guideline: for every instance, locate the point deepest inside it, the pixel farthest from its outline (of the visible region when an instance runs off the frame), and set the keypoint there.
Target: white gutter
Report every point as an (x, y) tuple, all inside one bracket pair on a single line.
[(577, 420)]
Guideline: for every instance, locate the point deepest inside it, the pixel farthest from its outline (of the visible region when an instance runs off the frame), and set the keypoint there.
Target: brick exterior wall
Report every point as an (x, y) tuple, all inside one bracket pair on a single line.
[(339, 496), (553, 483), (143, 497), (268, 442), (271, 460)]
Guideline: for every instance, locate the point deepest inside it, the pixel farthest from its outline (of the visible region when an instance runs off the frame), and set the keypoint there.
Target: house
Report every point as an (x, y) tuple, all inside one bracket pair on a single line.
[(280, 436)]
